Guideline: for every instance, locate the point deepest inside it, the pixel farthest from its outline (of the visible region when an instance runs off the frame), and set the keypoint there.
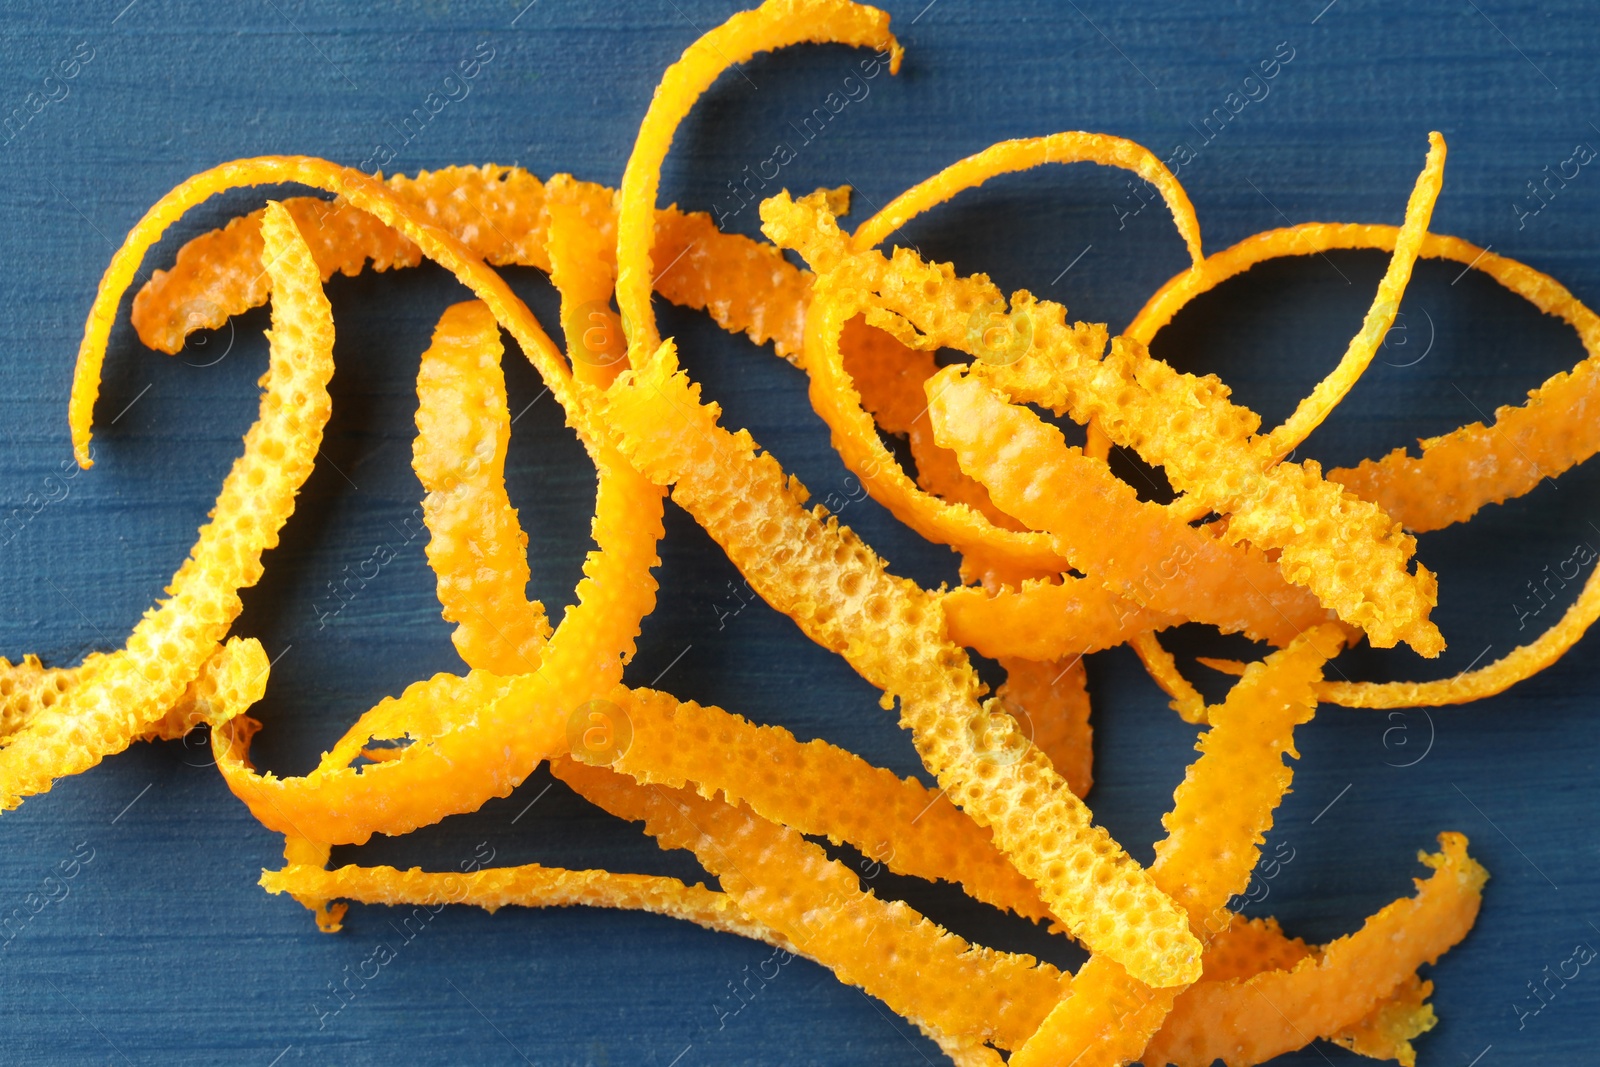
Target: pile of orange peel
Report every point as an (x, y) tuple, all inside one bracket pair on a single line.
[(1060, 558)]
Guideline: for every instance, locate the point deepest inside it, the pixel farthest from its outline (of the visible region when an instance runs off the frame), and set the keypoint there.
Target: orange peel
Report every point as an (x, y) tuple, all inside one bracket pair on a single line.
[(133, 688), (477, 549), (1220, 814), (1247, 1021)]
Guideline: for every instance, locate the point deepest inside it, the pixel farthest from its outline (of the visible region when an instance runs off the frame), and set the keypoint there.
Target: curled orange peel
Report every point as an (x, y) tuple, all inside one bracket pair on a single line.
[(477, 548), (774, 25), (1345, 550), (1051, 700), (1247, 1021), (1140, 550), (1459, 472), (616, 592), (817, 789), (891, 631), (526, 886), (1310, 412), (789, 884), (133, 688), (1220, 814), (1046, 620), (834, 395), (831, 584)]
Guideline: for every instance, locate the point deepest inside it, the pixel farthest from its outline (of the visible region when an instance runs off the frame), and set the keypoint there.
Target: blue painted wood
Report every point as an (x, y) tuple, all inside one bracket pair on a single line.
[(160, 948)]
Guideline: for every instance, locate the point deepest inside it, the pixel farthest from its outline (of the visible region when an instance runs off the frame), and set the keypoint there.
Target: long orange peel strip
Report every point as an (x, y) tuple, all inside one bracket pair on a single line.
[(338, 804), (1248, 1021), (477, 548), (834, 395), (835, 588), (1310, 412), (789, 884), (1345, 550), (1098, 523), (528, 886), (1221, 812), (133, 688)]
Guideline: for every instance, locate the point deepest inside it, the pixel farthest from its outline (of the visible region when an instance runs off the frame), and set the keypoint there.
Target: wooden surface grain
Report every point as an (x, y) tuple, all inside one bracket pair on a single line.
[(161, 948)]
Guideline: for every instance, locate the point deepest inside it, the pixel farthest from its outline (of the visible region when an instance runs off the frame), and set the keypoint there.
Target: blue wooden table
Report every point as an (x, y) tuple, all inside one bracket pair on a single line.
[(160, 948)]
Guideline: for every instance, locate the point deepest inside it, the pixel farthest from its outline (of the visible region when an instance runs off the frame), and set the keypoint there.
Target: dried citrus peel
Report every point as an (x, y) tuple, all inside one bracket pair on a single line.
[(1051, 700), (888, 629), (1251, 1020), (817, 789), (774, 25), (616, 593), (1138, 549), (527, 886), (1009, 157), (1046, 620), (892, 633), (789, 884), (1310, 412), (1461, 471), (1220, 814), (477, 548), (133, 688), (1345, 550), (1163, 670), (833, 393)]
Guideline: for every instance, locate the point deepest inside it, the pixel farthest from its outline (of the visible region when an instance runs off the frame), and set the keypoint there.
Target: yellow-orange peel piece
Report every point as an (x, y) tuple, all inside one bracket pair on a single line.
[(831, 584), (774, 25), (1247, 1021), (1220, 814), (892, 632), (136, 686), (477, 548), (1310, 412), (526, 886), (817, 789), (789, 884), (1046, 620), (1459, 472), (1051, 700), (1140, 550), (617, 590), (1345, 550)]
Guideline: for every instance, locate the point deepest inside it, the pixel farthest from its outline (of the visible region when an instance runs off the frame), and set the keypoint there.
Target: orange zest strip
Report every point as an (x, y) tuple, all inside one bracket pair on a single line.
[(774, 25), (817, 789), (477, 548), (1345, 550), (832, 585), (526, 886), (1520, 663), (1051, 700), (29, 688), (1310, 412), (833, 393), (1220, 814), (891, 631), (1008, 157), (1046, 620), (600, 628), (785, 882), (499, 212), (495, 210), (133, 688), (890, 377), (1461, 471), (1139, 550), (1248, 1021)]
